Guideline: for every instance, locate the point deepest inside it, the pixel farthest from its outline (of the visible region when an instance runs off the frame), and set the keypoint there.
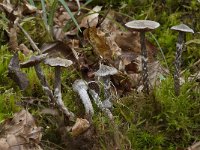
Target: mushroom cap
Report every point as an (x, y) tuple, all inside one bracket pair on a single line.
[(58, 62), (79, 84), (34, 60), (105, 70), (182, 28), (142, 25)]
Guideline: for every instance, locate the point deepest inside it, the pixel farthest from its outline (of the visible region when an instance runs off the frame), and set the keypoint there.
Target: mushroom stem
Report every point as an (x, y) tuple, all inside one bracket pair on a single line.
[(81, 87), (86, 102), (47, 89), (58, 94), (179, 50), (44, 83), (98, 102), (144, 62), (107, 95)]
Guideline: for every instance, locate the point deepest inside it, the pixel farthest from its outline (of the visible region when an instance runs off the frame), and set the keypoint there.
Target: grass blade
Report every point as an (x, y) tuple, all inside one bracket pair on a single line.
[(70, 13), (51, 14), (31, 2), (44, 14)]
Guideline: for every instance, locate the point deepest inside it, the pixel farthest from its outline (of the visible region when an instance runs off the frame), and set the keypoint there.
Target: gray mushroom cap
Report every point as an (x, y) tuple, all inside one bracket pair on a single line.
[(142, 25), (58, 62), (182, 28), (34, 60), (79, 84), (105, 70)]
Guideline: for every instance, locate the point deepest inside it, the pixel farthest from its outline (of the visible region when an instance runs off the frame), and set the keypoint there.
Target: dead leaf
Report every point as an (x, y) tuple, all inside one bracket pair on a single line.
[(24, 49), (101, 48), (21, 132), (80, 126), (92, 18), (195, 146)]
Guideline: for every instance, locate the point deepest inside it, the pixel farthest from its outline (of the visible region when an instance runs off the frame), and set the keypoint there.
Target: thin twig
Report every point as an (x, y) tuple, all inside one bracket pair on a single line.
[(34, 46)]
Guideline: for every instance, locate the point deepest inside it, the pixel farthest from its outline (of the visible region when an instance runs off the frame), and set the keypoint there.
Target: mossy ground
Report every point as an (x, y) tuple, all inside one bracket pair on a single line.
[(159, 121)]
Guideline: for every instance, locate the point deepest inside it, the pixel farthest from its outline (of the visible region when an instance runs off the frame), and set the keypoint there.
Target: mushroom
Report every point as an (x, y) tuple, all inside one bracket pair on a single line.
[(58, 63), (16, 74), (104, 73), (143, 26), (182, 29), (34, 60), (80, 86)]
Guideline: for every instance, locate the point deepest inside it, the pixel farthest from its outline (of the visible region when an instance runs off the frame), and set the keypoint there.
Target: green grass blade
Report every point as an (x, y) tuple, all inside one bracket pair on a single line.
[(51, 15), (44, 14), (70, 13), (31, 2)]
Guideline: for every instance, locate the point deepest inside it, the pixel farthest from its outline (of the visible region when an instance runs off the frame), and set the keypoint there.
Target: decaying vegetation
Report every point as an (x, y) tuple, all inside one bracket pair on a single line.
[(74, 76)]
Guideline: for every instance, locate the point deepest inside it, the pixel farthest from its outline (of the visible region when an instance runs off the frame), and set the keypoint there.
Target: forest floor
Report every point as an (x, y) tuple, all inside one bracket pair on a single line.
[(72, 75)]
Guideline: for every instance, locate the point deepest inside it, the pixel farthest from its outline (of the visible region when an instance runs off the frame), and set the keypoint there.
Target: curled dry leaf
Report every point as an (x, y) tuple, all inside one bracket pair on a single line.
[(21, 132), (91, 18), (98, 42), (80, 126)]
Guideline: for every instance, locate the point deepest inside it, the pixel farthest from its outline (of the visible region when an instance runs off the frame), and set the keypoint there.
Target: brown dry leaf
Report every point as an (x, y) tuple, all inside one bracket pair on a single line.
[(101, 48), (91, 18), (80, 126), (3, 144), (21, 132), (25, 50), (195, 146), (156, 71), (130, 42), (29, 9), (58, 49)]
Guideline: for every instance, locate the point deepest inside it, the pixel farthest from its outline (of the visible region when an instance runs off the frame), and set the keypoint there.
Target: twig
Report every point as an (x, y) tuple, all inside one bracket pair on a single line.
[(34, 46)]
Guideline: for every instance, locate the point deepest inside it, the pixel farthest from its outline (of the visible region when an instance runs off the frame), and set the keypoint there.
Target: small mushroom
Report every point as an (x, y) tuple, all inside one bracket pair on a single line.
[(34, 60), (143, 26), (58, 63), (80, 86), (16, 74), (104, 73), (182, 29)]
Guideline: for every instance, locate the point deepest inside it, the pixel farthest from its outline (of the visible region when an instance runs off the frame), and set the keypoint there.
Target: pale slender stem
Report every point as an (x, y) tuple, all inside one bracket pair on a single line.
[(58, 94)]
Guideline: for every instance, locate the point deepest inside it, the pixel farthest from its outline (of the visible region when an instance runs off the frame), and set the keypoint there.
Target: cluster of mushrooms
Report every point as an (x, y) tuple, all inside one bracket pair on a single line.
[(83, 87), (143, 26)]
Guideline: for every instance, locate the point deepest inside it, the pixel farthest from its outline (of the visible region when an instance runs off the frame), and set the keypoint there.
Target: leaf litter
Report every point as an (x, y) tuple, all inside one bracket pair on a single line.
[(108, 44)]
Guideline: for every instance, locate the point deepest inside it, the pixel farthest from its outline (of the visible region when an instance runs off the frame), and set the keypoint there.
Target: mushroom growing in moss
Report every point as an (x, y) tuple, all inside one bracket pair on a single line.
[(182, 29), (58, 63), (104, 74), (80, 86), (143, 26)]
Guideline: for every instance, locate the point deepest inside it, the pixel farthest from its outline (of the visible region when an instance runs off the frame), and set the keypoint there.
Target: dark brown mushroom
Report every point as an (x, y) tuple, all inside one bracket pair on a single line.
[(182, 29), (58, 63), (143, 26)]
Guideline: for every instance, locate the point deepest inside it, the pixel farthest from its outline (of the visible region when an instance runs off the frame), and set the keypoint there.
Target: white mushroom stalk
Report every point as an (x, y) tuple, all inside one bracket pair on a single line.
[(80, 86), (100, 105)]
